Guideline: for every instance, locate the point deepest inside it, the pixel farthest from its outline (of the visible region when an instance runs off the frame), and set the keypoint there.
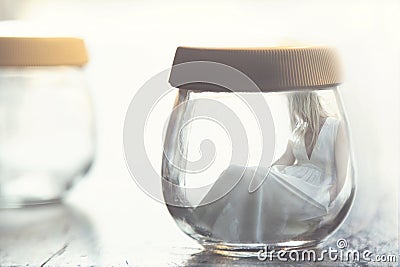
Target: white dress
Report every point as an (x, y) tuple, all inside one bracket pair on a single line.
[(291, 200)]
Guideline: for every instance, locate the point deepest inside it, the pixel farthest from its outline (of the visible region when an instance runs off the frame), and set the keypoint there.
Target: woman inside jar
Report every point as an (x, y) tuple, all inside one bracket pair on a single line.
[(295, 194)]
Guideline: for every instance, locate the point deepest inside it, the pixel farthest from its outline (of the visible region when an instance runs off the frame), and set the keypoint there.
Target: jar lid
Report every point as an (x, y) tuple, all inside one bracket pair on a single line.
[(270, 68), (42, 51)]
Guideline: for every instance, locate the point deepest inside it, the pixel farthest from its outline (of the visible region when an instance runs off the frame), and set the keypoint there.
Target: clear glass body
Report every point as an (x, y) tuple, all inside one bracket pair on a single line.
[(293, 188), (46, 133)]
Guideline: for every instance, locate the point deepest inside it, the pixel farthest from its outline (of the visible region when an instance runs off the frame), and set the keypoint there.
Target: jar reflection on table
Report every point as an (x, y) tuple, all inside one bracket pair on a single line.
[(300, 197), (60, 229), (47, 128)]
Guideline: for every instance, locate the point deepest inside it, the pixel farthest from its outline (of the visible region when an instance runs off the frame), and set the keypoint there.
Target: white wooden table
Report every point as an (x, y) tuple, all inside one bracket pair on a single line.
[(112, 233)]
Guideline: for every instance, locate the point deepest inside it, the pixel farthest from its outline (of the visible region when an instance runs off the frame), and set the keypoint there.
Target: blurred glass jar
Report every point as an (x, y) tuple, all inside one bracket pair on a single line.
[(257, 151), (46, 119)]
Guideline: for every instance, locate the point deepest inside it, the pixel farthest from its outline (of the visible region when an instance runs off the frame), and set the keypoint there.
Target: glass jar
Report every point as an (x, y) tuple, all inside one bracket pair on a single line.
[(46, 119), (257, 150)]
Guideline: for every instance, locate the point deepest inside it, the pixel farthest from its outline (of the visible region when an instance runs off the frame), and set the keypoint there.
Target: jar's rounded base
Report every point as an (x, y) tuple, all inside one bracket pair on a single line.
[(41, 192), (37, 189), (26, 203), (247, 250)]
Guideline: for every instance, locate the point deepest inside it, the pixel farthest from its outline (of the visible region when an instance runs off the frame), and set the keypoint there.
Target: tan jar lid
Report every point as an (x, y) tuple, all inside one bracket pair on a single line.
[(42, 51), (270, 68)]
